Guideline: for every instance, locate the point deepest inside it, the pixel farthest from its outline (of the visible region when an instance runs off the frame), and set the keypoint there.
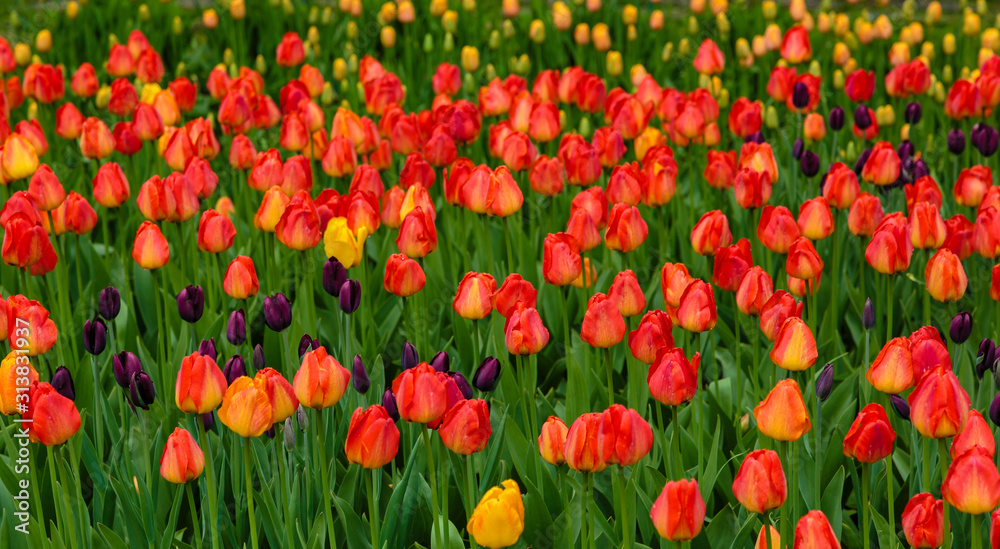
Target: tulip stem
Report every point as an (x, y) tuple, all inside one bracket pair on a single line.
[(470, 494), (977, 533), (195, 531), (889, 299), (62, 514), (943, 461), (925, 480), (373, 508), (768, 542), (98, 424), (610, 369), (436, 528), (890, 498), (626, 524), (161, 356), (145, 454), (324, 474), (584, 535), (818, 455), (756, 366), (213, 511), (285, 496), (865, 488), (509, 236), (246, 473)]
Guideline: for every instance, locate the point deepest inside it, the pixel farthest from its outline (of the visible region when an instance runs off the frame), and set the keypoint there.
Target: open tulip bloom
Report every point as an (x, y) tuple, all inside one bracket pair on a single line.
[(561, 274)]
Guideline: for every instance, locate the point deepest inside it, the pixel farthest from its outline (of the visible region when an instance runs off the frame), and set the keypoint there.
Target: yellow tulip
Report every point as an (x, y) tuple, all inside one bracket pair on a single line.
[(470, 58), (341, 242), (498, 520)]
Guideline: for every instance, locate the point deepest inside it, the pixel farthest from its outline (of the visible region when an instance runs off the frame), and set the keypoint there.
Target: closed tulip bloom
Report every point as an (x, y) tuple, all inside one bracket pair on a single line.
[(626, 292), (674, 279), (777, 229), (803, 261), (582, 450), (69, 121), (498, 519), (417, 234), (150, 249), (52, 419), (298, 228), (794, 346), (111, 188), (883, 165), (927, 228), (320, 381), (976, 434), (972, 484), (923, 521), (711, 233), (473, 299), (892, 370), (945, 276), (891, 247), (652, 334), (795, 47), (200, 385), (752, 189), (74, 215), (245, 409), (603, 325), (624, 436), (96, 140), (758, 158), (552, 441), (765, 542), (291, 51), (986, 233), (372, 438), (720, 169), (928, 351), (697, 312), (13, 375), (672, 379), (760, 483), (240, 281), (939, 406), (731, 264), (864, 215), (841, 186), (215, 232), (182, 458), (267, 170), (783, 415), (815, 219), (43, 333), (279, 393), (524, 333), (465, 428), (679, 512), (513, 292), (420, 394), (814, 532), (242, 153), (754, 290), (710, 59), (45, 189), (547, 176), (561, 262), (342, 243), (959, 239), (403, 276), (745, 117), (871, 436), (972, 185)]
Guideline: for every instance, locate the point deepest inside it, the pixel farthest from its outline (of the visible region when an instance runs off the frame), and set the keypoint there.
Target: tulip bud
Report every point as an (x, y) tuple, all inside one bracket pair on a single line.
[(334, 276), (359, 376), (836, 121), (913, 113), (270, 432), (95, 336), (409, 357), (350, 296), (288, 434), (961, 327), (956, 141), (441, 362), (306, 344), (995, 410), (862, 117), (62, 382), (985, 357), (235, 368), (141, 390), (191, 303), (277, 312), (868, 315), (809, 163), (798, 147), (800, 95), (901, 407), (124, 364), (207, 348), (389, 403), (109, 303), (302, 419), (258, 357), (487, 374), (236, 330), (824, 383)]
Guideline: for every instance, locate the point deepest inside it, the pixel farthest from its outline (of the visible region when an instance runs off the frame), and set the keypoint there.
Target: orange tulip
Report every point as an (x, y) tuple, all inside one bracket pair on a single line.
[(473, 298), (320, 381), (803, 261), (603, 324), (15, 373), (760, 483), (891, 247), (653, 333), (711, 233), (299, 227), (777, 229), (150, 249), (582, 450), (420, 394), (626, 229), (883, 165), (561, 262), (972, 185), (52, 419), (794, 346), (892, 370), (815, 219), (245, 409), (923, 521), (280, 394), (720, 169), (972, 485), (524, 333), (403, 276), (696, 312), (782, 415), (928, 351), (871, 436), (710, 59), (182, 458), (939, 406), (945, 276), (864, 215), (814, 532), (513, 292), (201, 385), (754, 291), (215, 232), (841, 186), (679, 512), (372, 438), (795, 47), (96, 140), (976, 434), (731, 264), (240, 281), (672, 379), (927, 228), (552, 441), (417, 234), (465, 428)]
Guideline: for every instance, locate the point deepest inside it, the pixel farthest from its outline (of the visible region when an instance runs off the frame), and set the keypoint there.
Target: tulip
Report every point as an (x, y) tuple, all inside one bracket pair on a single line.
[(240, 280), (782, 415), (939, 406), (514, 290), (653, 333), (182, 458), (972, 484), (561, 262), (760, 483), (372, 437), (498, 519), (672, 379), (731, 264), (603, 324), (465, 428), (720, 169), (552, 441), (711, 233), (710, 59), (277, 312), (753, 292), (961, 327), (62, 382), (582, 450), (871, 436), (923, 521), (236, 329), (298, 228), (320, 381), (150, 249), (15, 374), (777, 229), (679, 512), (976, 434), (752, 189), (246, 409), (803, 261), (191, 303), (624, 436), (524, 333), (403, 276), (794, 346), (696, 312), (280, 394), (945, 276), (95, 336), (235, 368), (420, 394), (814, 532), (473, 299), (51, 418), (892, 370), (200, 385)]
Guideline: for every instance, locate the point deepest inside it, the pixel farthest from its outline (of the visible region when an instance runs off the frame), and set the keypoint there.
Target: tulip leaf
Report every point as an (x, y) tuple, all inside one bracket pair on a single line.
[(111, 538), (168, 533), (712, 465), (832, 501), (354, 529)]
